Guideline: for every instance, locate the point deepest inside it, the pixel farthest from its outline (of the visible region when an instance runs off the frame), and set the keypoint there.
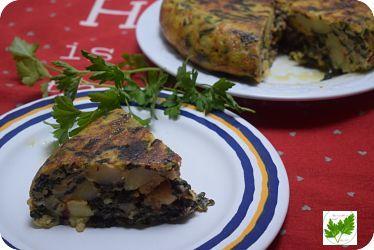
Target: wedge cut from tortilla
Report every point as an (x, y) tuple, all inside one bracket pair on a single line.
[(113, 173), (333, 35)]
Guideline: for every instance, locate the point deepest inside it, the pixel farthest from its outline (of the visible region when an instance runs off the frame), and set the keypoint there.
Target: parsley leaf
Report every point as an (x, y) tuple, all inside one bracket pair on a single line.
[(104, 71), (348, 225), (85, 118), (29, 68), (154, 83), (134, 93), (69, 79), (143, 122), (172, 105), (332, 231), (65, 115), (21, 48), (108, 100), (211, 98)]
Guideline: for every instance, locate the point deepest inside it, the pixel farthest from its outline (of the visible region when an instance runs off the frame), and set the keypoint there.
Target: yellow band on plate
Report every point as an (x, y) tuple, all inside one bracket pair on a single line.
[(264, 186)]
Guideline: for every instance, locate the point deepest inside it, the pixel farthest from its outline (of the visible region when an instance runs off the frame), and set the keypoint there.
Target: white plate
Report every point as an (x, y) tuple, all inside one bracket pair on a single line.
[(286, 81), (222, 154)]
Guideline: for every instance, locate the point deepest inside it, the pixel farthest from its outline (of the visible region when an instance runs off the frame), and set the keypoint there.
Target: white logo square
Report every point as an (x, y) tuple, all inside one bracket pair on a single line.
[(339, 228)]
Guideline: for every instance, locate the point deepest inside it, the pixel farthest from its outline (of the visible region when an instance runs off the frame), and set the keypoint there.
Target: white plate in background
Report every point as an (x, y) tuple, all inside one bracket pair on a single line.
[(287, 81)]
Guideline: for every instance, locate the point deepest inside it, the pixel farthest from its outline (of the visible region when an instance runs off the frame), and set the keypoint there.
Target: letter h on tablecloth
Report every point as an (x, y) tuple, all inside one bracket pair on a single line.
[(98, 9)]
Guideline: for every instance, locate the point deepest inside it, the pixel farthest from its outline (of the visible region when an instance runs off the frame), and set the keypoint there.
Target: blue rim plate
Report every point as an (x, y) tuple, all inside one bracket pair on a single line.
[(222, 154)]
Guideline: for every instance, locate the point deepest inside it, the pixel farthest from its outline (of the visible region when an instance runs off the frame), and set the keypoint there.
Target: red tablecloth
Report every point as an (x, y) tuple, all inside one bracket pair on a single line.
[(327, 147)]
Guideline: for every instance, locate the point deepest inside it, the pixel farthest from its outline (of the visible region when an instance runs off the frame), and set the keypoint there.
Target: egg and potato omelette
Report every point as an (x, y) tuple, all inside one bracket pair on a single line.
[(242, 37), (113, 173)]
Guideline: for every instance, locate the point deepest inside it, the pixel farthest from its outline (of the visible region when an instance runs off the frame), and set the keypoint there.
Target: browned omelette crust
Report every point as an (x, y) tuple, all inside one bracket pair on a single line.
[(352, 12), (114, 140), (231, 36), (330, 34)]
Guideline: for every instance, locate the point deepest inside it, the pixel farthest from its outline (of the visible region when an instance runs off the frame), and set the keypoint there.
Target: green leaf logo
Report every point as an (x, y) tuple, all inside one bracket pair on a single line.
[(337, 230)]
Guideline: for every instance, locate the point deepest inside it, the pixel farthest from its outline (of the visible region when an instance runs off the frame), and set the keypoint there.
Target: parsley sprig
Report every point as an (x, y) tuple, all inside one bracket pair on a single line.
[(126, 91), (336, 230)]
